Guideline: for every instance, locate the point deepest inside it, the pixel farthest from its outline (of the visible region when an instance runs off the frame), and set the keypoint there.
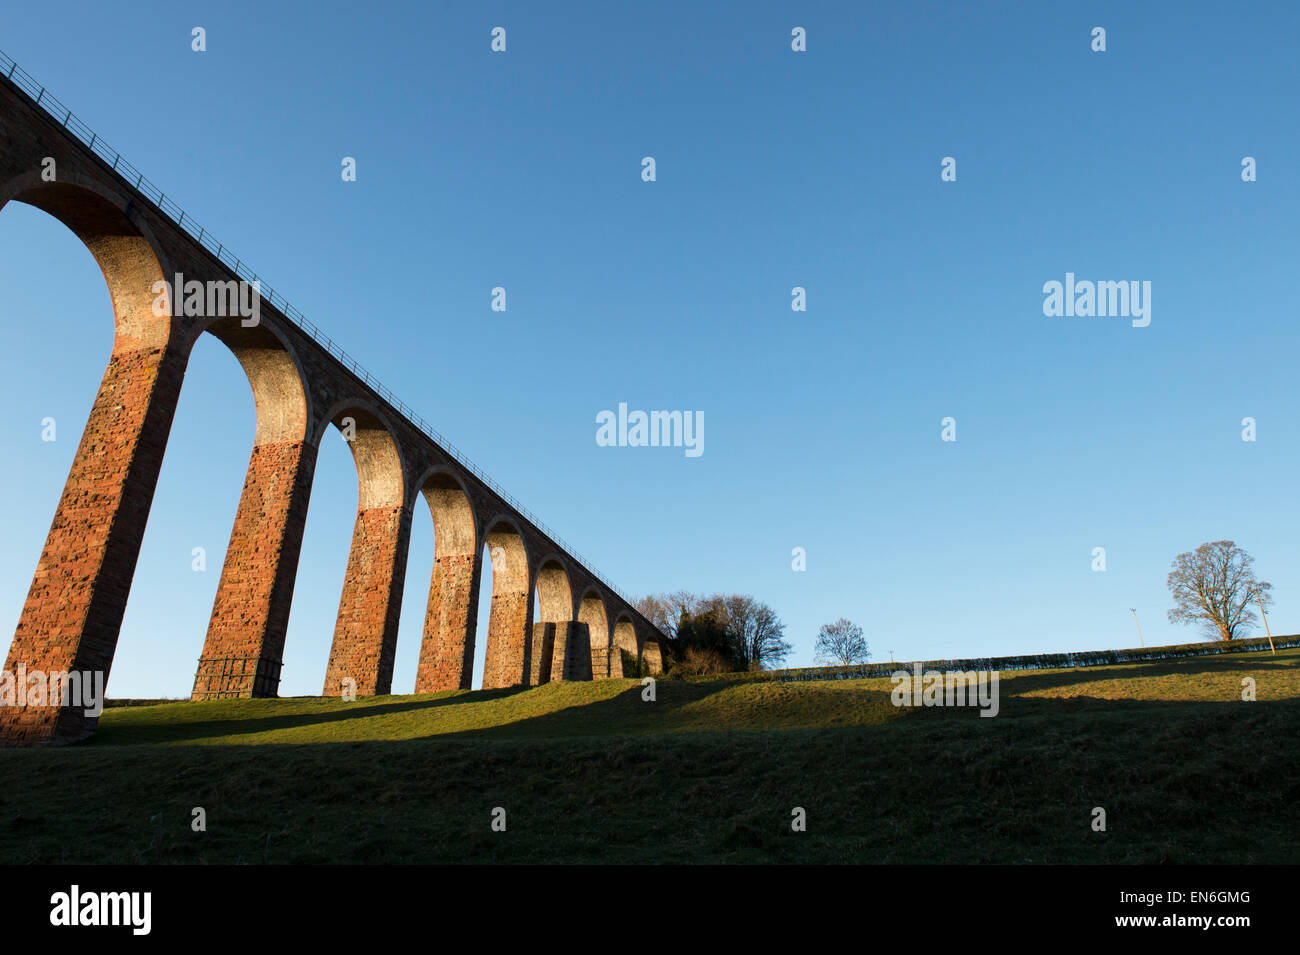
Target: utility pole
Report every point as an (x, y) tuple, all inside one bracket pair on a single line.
[(1139, 626), (1264, 617)]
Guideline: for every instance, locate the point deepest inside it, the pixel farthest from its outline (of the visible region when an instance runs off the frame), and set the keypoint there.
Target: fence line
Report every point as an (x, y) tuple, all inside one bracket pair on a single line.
[(135, 179), (1038, 661)]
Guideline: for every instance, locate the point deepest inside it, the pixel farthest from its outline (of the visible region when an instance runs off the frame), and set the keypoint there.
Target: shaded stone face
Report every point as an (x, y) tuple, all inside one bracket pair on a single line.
[(73, 612), (561, 652), (571, 659)]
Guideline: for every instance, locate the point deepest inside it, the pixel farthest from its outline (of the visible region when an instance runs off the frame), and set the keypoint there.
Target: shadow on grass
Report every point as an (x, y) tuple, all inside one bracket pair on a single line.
[(690, 708), (679, 707), (1020, 682), (177, 730), (624, 713), (947, 786)]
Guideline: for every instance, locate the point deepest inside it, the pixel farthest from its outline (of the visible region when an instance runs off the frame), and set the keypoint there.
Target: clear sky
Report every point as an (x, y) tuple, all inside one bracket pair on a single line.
[(775, 169)]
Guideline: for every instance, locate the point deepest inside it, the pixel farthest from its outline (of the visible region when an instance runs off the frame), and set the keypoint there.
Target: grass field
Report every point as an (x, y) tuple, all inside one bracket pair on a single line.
[(708, 772)]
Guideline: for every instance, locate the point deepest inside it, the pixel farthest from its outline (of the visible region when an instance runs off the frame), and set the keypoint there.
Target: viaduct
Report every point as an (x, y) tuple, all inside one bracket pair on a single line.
[(303, 385)]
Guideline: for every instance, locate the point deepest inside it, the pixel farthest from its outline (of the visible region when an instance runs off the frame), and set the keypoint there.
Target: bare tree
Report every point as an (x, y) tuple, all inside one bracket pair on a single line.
[(655, 609), (666, 611), (1214, 587), (743, 630), (756, 632), (842, 643)]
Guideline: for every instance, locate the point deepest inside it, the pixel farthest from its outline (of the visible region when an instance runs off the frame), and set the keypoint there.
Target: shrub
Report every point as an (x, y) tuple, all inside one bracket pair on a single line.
[(701, 661), (632, 667)]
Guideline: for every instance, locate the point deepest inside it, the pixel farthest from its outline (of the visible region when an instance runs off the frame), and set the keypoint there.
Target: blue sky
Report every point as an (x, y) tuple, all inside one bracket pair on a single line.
[(775, 169)]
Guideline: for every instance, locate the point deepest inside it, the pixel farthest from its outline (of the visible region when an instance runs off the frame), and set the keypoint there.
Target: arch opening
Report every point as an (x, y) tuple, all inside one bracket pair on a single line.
[(273, 374), (131, 264), (379, 463), (591, 611), (624, 641), (365, 633), (553, 632), (554, 596), (244, 647), (508, 658), (447, 643)]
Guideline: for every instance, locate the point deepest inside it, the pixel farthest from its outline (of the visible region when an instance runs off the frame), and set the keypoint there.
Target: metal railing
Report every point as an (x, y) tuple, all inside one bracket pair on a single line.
[(231, 674), (132, 177)]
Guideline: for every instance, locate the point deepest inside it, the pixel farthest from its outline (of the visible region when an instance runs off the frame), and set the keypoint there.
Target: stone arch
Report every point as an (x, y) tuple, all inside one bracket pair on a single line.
[(624, 634), (274, 373), (365, 634), (652, 658), (124, 247), (375, 451), (554, 593), (508, 659), (72, 617), (553, 633), (591, 611), (450, 621), (455, 527), (244, 647), (623, 637)]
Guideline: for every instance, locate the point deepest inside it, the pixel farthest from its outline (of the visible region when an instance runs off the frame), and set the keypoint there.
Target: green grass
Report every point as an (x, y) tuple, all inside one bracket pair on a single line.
[(709, 772)]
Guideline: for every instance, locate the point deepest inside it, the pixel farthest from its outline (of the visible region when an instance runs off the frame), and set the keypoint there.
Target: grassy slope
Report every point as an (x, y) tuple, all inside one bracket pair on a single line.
[(709, 772)]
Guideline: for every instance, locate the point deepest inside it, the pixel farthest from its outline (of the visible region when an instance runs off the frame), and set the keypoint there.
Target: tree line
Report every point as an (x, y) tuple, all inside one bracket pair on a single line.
[(1214, 587)]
